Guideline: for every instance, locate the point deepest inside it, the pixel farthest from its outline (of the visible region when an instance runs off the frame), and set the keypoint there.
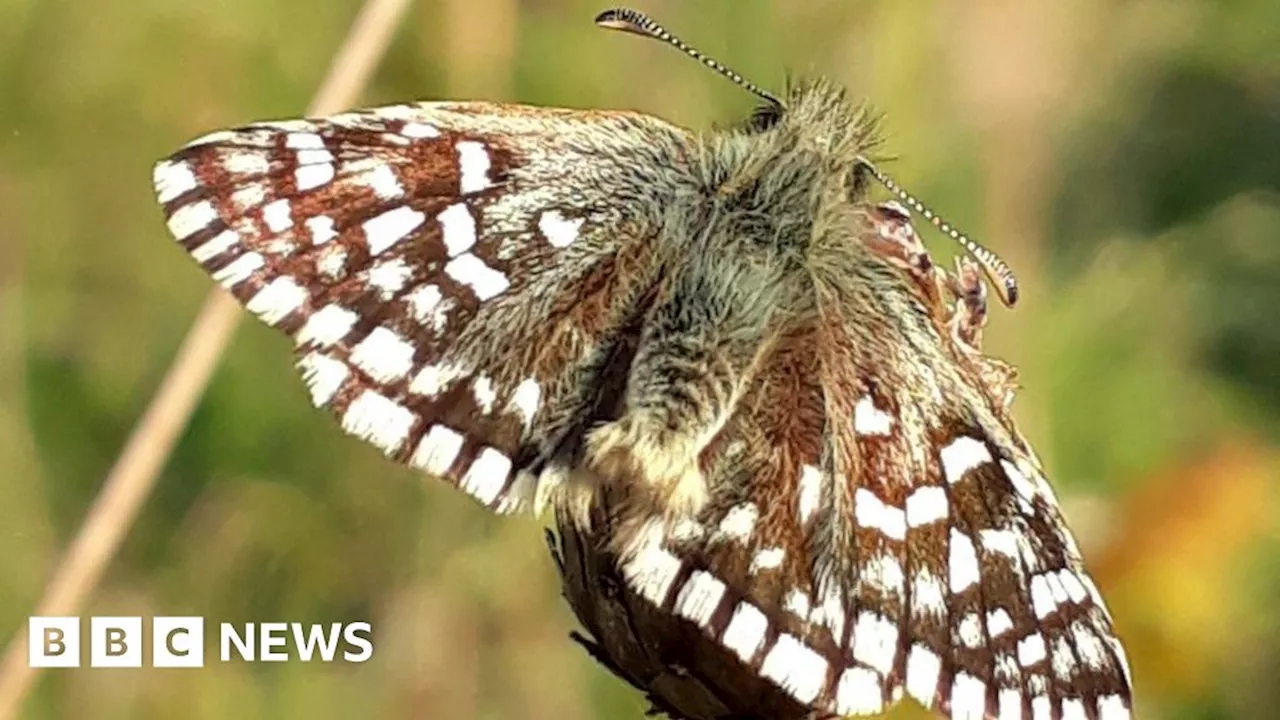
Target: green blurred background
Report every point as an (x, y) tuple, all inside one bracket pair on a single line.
[(1123, 156)]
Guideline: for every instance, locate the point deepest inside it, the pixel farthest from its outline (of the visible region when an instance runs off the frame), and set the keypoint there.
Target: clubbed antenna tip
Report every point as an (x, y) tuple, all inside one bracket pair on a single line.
[(637, 23), (624, 19)]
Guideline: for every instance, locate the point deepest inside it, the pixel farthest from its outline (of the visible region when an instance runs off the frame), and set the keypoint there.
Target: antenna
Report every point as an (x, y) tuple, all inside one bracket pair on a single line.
[(995, 268), (637, 23)]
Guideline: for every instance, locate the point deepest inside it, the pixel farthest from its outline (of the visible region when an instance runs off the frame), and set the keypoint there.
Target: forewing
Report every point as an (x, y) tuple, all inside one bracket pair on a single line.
[(864, 540), (453, 274)]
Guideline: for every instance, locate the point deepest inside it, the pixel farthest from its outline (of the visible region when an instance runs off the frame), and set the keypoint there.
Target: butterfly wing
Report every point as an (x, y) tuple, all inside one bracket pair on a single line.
[(874, 528), (453, 274)]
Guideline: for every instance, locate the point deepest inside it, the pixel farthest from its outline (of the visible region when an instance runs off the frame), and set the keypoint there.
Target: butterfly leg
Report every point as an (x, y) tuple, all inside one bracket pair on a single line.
[(970, 313), (895, 239), (967, 319)]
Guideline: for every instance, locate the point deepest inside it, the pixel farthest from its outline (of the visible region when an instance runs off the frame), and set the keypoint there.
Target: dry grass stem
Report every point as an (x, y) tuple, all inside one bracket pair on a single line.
[(133, 476)]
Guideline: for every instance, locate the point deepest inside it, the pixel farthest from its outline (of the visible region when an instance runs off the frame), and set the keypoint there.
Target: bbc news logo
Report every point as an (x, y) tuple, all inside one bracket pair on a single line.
[(178, 642)]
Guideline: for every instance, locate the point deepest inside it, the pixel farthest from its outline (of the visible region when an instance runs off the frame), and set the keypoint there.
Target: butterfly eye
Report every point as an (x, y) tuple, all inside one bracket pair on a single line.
[(860, 180), (764, 118)]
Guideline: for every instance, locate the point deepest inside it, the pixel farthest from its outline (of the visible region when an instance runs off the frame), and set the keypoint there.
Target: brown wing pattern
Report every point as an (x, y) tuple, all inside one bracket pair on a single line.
[(451, 299), (838, 566)]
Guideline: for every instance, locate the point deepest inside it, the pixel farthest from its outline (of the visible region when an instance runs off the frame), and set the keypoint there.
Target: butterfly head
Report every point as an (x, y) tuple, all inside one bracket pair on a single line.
[(816, 118), (813, 115), (823, 120)]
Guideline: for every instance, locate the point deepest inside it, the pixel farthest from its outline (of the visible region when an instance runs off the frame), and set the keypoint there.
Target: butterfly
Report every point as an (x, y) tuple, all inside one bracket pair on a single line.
[(787, 479)]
